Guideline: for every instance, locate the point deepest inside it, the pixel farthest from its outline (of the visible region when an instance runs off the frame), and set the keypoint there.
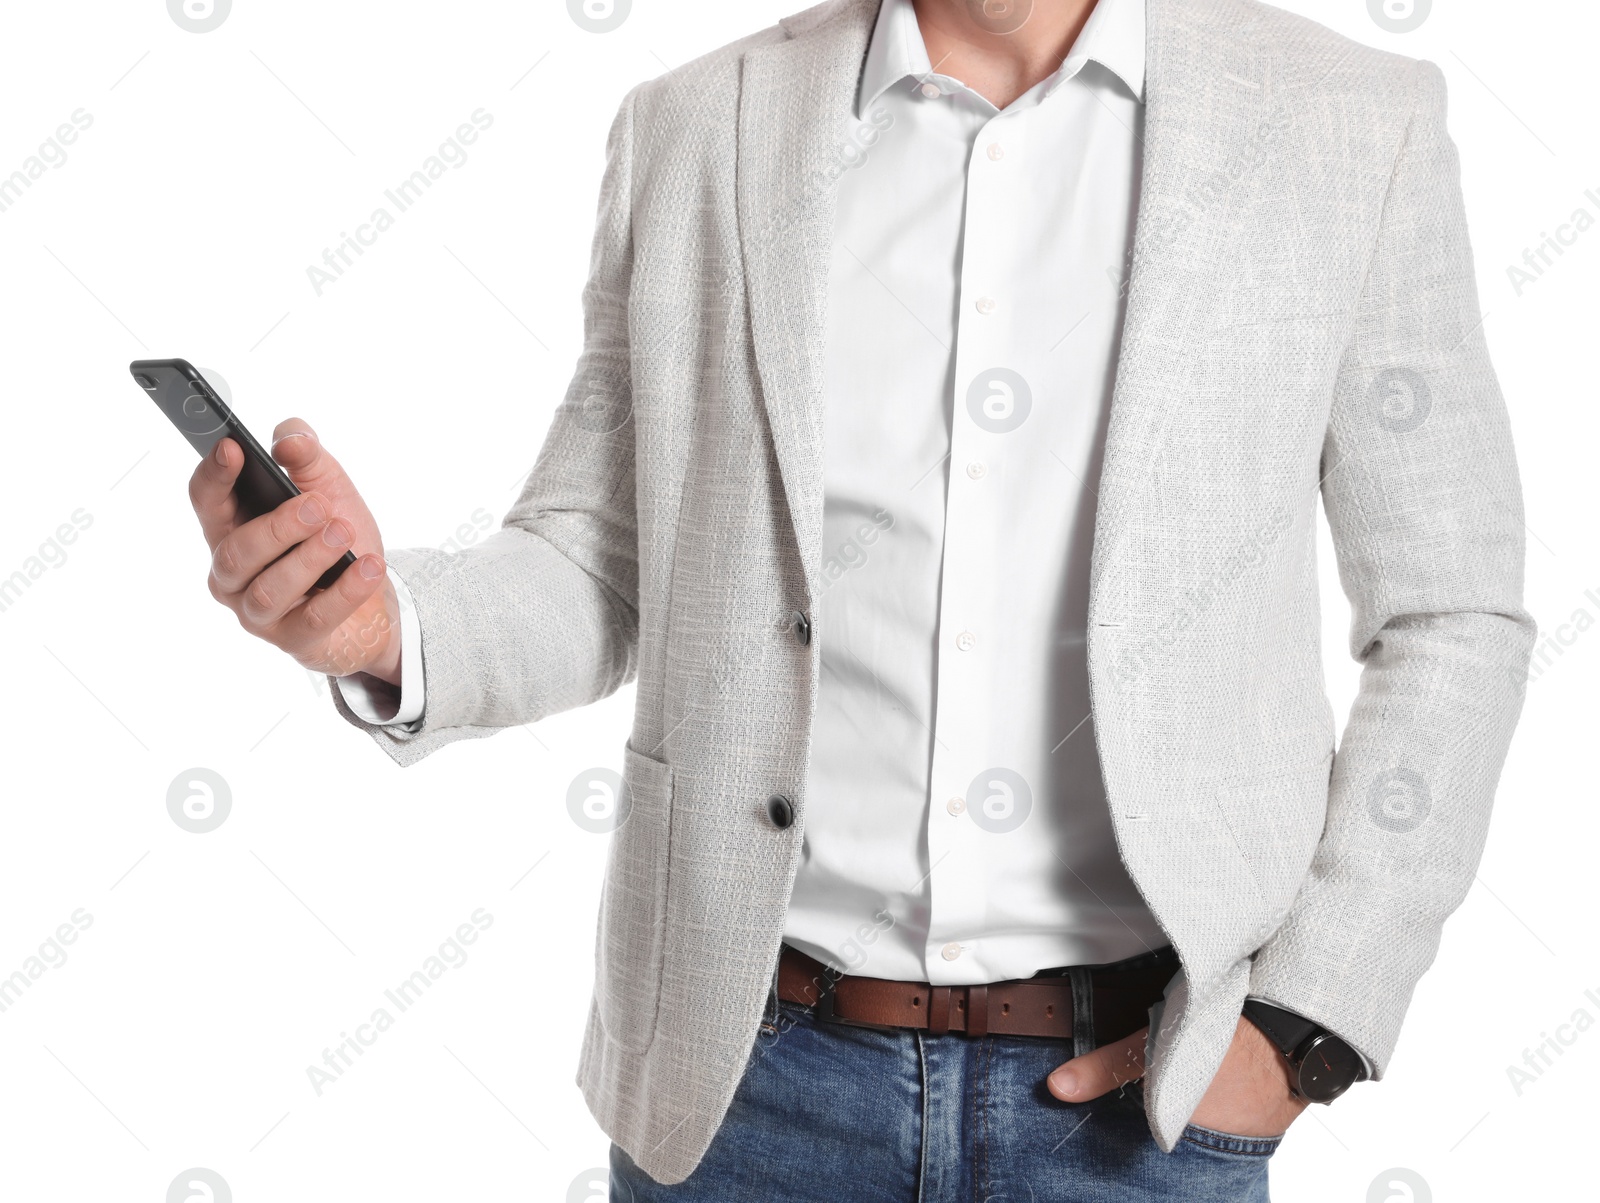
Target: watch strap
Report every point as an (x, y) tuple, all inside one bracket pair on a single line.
[(1284, 1028)]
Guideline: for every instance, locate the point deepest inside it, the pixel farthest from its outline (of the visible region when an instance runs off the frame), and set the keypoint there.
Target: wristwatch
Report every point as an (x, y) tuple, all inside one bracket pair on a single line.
[(1323, 1065)]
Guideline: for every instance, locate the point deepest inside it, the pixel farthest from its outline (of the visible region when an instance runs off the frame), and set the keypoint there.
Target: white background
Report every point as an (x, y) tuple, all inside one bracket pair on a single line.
[(218, 967)]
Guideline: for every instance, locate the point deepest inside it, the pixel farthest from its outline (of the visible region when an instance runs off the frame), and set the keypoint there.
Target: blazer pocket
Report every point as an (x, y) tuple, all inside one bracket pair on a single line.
[(633, 905)]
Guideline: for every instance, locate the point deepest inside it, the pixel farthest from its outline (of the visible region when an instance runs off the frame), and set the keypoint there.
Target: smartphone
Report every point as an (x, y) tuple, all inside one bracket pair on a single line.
[(202, 417)]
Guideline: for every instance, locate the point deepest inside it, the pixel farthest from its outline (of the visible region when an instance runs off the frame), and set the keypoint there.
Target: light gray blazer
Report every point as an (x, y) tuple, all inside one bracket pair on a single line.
[(1302, 316)]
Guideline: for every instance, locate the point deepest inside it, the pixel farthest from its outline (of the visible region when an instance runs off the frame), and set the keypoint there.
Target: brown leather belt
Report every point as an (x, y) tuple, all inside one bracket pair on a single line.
[(1119, 998)]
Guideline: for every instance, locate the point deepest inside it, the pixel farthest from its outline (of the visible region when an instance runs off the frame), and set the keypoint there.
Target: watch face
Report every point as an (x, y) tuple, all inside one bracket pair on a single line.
[(1328, 1069)]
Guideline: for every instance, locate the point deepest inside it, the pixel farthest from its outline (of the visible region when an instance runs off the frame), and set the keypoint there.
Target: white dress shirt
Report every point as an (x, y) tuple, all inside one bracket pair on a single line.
[(378, 701), (956, 826)]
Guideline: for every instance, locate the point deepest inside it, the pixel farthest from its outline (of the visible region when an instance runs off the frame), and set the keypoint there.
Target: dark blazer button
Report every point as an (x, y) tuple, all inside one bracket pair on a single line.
[(802, 628), (781, 811)]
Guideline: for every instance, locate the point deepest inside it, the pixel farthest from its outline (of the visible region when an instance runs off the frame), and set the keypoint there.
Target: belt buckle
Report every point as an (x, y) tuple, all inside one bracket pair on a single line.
[(823, 1011)]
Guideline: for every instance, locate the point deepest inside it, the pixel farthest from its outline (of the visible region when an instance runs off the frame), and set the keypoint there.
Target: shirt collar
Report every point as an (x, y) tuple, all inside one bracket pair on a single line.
[(1114, 37)]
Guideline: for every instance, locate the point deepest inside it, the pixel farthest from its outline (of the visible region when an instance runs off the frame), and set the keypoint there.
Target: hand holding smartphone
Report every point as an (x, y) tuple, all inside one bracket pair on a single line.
[(202, 417), (284, 532)]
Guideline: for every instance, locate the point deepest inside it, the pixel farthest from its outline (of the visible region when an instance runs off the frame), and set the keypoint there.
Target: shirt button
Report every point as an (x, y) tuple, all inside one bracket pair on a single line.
[(950, 951), (966, 641), (956, 806), (996, 151), (931, 91), (986, 305), (802, 628), (977, 470)]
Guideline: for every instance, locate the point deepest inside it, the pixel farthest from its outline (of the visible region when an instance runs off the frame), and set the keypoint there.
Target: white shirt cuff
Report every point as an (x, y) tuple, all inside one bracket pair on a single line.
[(379, 702)]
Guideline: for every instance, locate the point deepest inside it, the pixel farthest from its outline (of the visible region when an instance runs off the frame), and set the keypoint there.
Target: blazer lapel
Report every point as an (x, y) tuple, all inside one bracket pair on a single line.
[(796, 100), (1210, 114)]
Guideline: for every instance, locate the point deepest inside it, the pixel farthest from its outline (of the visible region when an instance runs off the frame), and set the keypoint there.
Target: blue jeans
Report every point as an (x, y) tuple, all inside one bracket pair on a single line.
[(831, 1114)]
